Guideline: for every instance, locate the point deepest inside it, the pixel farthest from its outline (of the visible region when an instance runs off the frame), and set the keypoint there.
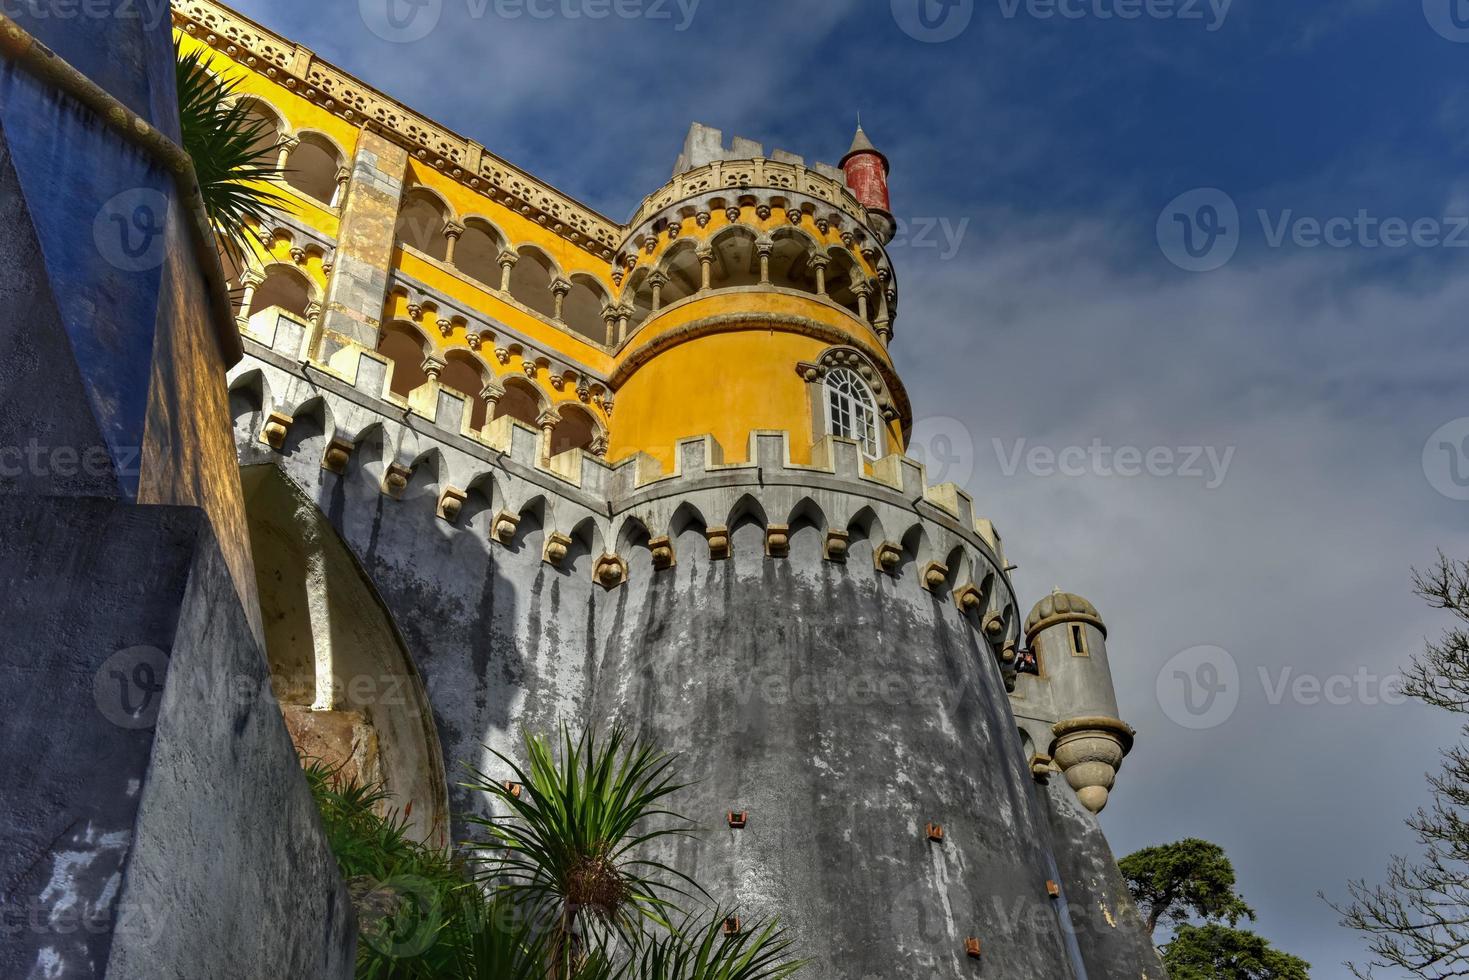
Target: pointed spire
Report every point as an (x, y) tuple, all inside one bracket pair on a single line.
[(861, 144)]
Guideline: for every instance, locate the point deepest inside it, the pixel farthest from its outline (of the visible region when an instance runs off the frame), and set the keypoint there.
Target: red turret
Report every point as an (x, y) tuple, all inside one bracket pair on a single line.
[(867, 176)]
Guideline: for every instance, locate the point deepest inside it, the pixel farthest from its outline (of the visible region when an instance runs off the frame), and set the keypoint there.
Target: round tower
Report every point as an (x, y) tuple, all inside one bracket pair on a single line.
[(1069, 639), (756, 295), (867, 170)]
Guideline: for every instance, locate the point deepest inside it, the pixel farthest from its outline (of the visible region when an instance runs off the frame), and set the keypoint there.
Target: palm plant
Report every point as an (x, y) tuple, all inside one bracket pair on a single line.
[(234, 166), (705, 948), (570, 848)]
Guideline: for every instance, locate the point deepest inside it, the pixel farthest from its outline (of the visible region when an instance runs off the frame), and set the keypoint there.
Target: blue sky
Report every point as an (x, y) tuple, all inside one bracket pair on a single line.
[(1043, 152)]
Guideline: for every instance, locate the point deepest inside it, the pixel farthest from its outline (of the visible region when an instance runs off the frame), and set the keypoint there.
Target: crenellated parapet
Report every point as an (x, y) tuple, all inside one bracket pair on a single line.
[(880, 516)]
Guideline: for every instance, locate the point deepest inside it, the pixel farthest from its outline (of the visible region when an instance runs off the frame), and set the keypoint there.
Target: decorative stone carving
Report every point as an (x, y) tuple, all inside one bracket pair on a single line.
[(733, 214), (675, 229), (994, 626), (395, 480), (474, 340), (558, 546), (451, 502), (662, 552), (764, 211), (445, 325), (778, 540), (886, 556), (273, 432), (298, 255), (1090, 751), (338, 452), (502, 354), (935, 576), (795, 215), (836, 545), (610, 572), (433, 365), (969, 598), (718, 538), (503, 527), (703, 218)]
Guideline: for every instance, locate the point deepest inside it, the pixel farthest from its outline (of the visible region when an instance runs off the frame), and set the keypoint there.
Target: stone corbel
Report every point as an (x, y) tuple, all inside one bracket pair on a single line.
[(503, 527), (732, 214), (836, 545), (1090, 751), (718, 538), (778, 541), (994, 626), (338, 452), (558, 546), (662, 552), (451, 503), (395, 480), (886, 557), (935, 577), (610, 572), (969, 598), (273, 432)]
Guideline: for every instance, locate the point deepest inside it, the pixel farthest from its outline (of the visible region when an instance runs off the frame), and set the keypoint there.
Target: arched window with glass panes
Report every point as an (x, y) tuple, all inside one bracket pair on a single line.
[(851, 411)]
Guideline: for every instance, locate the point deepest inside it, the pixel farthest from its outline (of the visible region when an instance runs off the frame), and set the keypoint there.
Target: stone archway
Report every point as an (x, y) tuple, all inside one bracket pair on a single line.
[(344, 679)]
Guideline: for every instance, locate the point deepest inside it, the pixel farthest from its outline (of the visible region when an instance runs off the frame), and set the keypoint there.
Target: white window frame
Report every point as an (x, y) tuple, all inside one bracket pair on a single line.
[(859, 419)]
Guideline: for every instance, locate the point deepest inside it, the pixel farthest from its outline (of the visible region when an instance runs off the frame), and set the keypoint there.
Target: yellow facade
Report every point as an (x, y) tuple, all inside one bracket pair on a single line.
[(725, 356)]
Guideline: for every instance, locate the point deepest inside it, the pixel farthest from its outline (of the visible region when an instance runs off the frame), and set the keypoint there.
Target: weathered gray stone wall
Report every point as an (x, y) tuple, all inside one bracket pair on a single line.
[(156, 825), (845, 710)]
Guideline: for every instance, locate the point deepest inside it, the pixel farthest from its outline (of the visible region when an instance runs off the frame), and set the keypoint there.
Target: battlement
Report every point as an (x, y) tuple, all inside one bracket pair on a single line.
[(705, 145), (342, 416)]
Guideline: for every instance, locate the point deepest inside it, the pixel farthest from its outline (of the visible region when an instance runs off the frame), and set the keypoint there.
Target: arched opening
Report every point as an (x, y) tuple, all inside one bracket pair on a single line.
[(520, 401), (530, 281), (285, 288), (477, 254), (405, 347), (736, 262), (269, 128), (581, 311), (576, 430), (312, 168), (790, 260), (344, 679), (638, 295), (684, 272), (421, 223), (841, 275), (464, 374)]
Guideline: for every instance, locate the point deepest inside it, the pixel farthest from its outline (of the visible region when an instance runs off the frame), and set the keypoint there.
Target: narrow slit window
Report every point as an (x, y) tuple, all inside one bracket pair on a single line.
[(1078, 640)]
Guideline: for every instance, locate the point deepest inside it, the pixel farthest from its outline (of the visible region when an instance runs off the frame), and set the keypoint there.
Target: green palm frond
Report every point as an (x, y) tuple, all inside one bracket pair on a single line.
[(704, 949), (572, 842), (233, 168)]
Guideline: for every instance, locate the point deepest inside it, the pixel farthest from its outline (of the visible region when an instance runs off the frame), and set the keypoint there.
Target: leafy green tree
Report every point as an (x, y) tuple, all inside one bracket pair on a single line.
[(235, 170), (1215, 952), (1175, 883), (1418, 920), (1179, 884)]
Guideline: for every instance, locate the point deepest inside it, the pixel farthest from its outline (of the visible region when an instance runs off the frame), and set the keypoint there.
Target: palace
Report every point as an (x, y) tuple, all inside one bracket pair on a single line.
[(505, 464)]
